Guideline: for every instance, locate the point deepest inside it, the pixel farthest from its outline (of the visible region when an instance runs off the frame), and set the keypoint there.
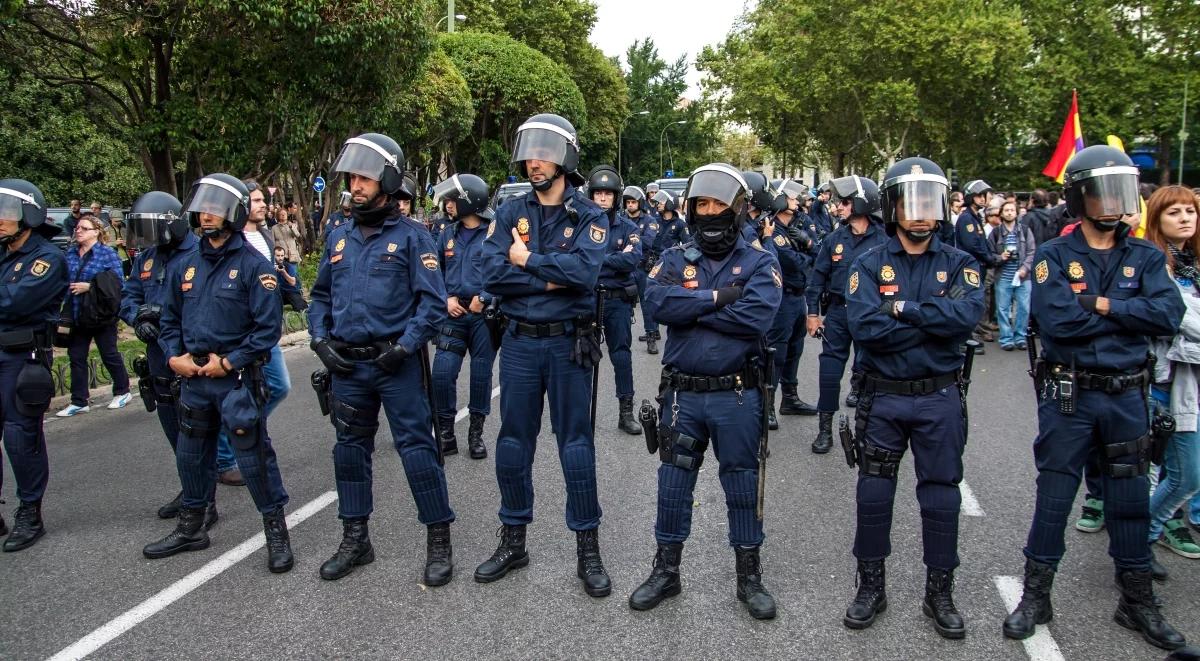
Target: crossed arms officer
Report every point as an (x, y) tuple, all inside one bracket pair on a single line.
[(911, 302), (377, 301), (542, 256), (34, 283), (717, 297), (220, 318), (162, 237), (1098, 295)]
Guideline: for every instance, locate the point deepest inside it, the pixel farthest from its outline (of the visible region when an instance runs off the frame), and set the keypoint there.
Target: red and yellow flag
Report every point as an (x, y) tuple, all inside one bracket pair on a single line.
[(1070, 142)]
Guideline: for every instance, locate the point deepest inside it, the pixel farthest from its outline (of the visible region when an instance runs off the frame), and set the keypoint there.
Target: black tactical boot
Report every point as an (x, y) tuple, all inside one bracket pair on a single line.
[(439, 555), (27, 527), (475, 437), (793, 405), (589, 566), (510, 554), (663, 581), (189, 535), (211, 516), (1184, 654), (643, 338), (449, 441), (772, 422), (824, 440), (627, 423), (871, 598), (171, 509), (1136, 610), (651, 342), (855, 383), (1035, 607), (750, 590), (355, 550), (279, 544), (1157, 571), (939, 604)]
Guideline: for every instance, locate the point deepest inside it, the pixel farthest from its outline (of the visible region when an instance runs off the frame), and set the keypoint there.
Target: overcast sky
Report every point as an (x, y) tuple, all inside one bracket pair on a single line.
[(693, 25)]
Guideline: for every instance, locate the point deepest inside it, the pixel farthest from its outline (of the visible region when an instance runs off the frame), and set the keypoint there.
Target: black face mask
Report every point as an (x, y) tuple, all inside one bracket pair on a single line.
[(374, 217), (716, 234), (215, 233), (1105, 225), (917, 237)]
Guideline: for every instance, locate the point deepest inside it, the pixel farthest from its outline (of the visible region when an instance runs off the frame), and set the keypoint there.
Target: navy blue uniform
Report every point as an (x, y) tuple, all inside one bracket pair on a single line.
[(648, 228), (1144, 302), (568, 251), (943, 297), (821, 218), (969, 237), (703, 339), (459, 253), (223, 301), (618, 287), (336, 220), (829, 273), (33, 284), (788, 328), (146, 285), (382, 285)]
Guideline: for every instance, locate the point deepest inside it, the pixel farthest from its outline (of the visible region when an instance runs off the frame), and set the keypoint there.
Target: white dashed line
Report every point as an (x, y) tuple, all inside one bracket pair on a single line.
[(1040, 646), (970, 506), (463, 412)]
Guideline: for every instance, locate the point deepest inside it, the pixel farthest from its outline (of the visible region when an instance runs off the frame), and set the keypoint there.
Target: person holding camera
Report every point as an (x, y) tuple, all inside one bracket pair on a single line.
[(289, 281), (1012, 241)]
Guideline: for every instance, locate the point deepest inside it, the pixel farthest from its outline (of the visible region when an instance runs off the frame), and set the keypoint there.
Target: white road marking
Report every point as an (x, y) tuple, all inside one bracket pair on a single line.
[(148, 608), (463, 412), (1040, 646), (970, 506)]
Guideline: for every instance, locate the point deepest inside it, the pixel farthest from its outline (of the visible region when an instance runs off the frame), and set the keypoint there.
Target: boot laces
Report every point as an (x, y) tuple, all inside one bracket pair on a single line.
[(276, 535), (439, 547)]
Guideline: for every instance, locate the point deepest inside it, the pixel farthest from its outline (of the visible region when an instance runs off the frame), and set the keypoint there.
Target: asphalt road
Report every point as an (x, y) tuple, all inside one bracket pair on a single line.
[(112, 469)]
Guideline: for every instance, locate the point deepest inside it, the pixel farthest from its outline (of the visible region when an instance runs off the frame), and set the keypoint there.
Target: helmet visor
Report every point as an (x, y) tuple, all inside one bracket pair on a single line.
[(11, 202), (633, 193), (537, 141), (146, 230), (792, 188), (213, 196), (450, 189), (718, 181), (662, 197), (1114, 194), (921, 200), (847, 188), (364, 158)]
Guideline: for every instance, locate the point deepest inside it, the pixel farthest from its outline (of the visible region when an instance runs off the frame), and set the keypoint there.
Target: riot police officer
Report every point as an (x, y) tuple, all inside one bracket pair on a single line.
[(968, 236), (543, 256), (341, 215), (760, 204), (617, 288), (819, 212), (634, 209), (911, 303), (160, 233), (1098, 296), (459, 250), (221, 317), (378, 300), (858, 206), (672, 231), (407, 196), (35, 282), (717, 296)]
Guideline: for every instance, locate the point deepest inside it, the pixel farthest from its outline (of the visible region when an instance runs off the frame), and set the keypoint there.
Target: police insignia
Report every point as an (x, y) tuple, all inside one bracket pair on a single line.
[(429, 260), (887, 273), (148, 265), (232, 274), (1128, 271), (598, 234), (654, 271), (491, 230), (190, 273), (780, 241), (737, 270), (1041, 272), (340, 245), (689, 271), (522, 226), (568, 232), (392, 247), (941, 276), (854, 282), (839, 249), (17, 268), (756, 244), (777, 278), (1075, 271), (39, 268), (971, 227), (971, 276), (633, 238), (654, 226), (268, 281), (449, 246)]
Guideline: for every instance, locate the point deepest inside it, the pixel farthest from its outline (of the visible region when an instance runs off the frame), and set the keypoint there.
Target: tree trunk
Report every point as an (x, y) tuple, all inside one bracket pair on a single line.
[(160, 167), (1164, 155)]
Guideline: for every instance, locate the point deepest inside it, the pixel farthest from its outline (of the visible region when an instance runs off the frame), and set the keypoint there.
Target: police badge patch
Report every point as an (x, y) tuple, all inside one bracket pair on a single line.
[(1041, 272), (689, 271), (148, 265), (1075, 271), (449, 246), (429, 260), (598, 234), (1128, 271), (780, 241), (887, 273), (971, 276), (340, 245), (654, 271), (190, 273), (392, 247), (523, 226), (568, 232), (633, 238), (233, 274), (854, 282), (941, 276), (268, 281), (40, 267)]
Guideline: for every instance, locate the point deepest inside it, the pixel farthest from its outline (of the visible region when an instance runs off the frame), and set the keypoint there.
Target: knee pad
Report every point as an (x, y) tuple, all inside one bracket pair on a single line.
[(350, 462), (34, 390), (741, 489), (877, 462), (510, 456), (197, 423), (350, 421)]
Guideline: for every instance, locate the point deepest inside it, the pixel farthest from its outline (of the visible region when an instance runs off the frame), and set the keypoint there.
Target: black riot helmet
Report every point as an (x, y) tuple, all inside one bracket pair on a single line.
[(23, 202), (666, 201), (548, 137), (863, 194), (469, 192), (374, 156), (155, 219), (921, 187), (408, 188), (1101, 182), (973, 188), (760, 195), (634, 193), (605, 178), (222, 195), (716, 234)]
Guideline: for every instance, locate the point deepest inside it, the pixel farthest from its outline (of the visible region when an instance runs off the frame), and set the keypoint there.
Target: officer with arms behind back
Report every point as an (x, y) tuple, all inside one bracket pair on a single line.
[(1098, 295), (35, 282), (717, 297), (160, 233), (542, 256), (221, 317), (911, 303), (377, 301)]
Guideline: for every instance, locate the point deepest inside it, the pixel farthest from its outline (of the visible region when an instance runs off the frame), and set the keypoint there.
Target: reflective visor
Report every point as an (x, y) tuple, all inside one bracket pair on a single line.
[(364, 158), (921, 200), (538, 141), (450, 189), (144, 231), (633, 193), (662, 197), (847, 187), (792, 188), (1111, 193), (718, 181), (11, 202), (215, 197)]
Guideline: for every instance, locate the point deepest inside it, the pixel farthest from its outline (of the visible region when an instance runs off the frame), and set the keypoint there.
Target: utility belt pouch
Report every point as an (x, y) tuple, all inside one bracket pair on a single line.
[(321, 384), (141, 367)]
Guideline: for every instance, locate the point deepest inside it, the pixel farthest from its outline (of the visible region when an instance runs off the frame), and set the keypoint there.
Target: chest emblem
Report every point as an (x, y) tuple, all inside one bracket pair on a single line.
[(148, 265), (1075, 271), (341, 244), (430, 261), (523, 228), (189, 273), (971, 276), (941, 276), (17, 268), (839, 249), (233, 274), (449, 246), (1041, 272), (854, 282), (392, 247), (689, 271), (1128, 271), (887, 273), (780, 241), (39, 268), (568, 232), (737, 270)]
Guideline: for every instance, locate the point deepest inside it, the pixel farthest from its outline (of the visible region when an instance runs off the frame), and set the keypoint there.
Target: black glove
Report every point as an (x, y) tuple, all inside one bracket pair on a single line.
[(727, 295), (327, 351), (392, 357), (146, 331), (889, 308), (800, 238), (1088, 301), (585, 351)]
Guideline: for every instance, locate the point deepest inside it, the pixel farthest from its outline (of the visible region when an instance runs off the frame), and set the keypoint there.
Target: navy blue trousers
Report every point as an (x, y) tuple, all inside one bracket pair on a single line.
[(933, 425), (448, 362), (1062, 448), (618, 335), (168, 415), (787, 336), (732, 425), (648, 323), (532, 370), (835, 351), (406, 406), (24, 440)]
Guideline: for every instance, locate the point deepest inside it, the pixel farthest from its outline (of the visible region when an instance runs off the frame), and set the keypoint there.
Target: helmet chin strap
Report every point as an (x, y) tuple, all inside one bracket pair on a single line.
[(21, 229), (545, 184), (918, 237), (216, 233), (1105, 225)]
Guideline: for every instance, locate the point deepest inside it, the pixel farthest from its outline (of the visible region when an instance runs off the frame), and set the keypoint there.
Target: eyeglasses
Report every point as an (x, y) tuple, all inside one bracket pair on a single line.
[(82, 228)]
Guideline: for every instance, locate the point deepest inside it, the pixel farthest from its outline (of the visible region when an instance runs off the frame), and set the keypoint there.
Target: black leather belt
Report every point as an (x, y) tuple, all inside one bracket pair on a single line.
[(1109, 383), (916, 387), (362, 353), (200, 360), (794, 291), (552, 329), (745, 379), (621, 294)]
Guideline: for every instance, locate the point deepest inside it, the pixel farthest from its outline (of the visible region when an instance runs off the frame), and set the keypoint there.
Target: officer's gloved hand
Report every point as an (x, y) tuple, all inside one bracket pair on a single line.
[(146, 331), (727, 295), (392, 358), (327, 351), (585, 351), (799, 237)]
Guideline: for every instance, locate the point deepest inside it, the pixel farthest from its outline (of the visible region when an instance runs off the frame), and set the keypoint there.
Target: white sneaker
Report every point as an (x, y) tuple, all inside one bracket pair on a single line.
[(72, 410), (120, 401)]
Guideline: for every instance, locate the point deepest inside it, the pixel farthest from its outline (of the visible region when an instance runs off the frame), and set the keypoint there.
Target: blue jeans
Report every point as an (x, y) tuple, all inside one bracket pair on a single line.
[(279, 384), (1182, 479), (1012, 326)]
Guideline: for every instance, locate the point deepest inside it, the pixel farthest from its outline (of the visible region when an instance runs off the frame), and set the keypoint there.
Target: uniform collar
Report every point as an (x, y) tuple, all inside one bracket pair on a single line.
[(1079, 243), (35, 240), (531, 200)]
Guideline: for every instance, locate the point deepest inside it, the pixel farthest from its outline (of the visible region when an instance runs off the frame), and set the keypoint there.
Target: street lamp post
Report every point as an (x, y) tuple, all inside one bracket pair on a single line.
[(621, 130), (450, 25), (660, 141)]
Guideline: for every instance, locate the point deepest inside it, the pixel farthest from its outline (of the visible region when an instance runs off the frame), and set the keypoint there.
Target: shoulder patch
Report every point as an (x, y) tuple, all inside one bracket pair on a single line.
[(1041, 272), (780, 241), (971, 276), (854, 282), (39, 268), (633, 238), (756, 245), (429, 260), (777, 278), (654, 271), (491, 229), (597, 233), (268, 281)]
